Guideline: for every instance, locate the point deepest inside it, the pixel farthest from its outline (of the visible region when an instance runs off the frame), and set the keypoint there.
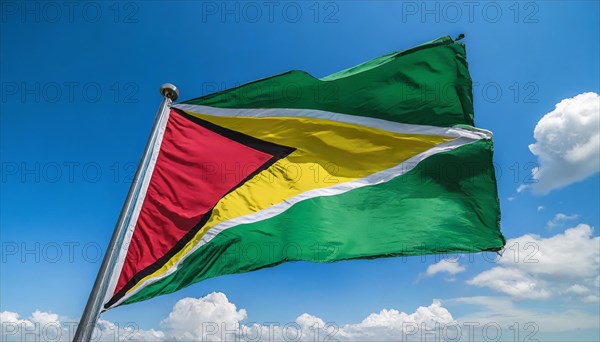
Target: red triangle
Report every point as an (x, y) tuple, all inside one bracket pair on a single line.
[(197, 165)]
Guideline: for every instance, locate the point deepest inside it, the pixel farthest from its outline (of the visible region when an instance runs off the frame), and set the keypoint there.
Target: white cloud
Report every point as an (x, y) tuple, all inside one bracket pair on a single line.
[(513, 282), (533, 267), (504, 312), (559, 219), (109, 331), (523, 187), (214, 318), (567, 143), (451, 267), (45, 326), (435, 313), (578, 289), (573, 254), (591, 299), (393, 325), (586, 295), (195, 318)]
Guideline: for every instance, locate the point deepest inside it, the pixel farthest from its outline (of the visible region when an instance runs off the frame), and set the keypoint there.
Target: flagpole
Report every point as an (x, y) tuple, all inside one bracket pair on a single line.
[(93, 307)]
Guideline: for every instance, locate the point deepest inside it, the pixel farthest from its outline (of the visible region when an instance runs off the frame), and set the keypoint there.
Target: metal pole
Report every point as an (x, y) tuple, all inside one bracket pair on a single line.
[(93, 307)]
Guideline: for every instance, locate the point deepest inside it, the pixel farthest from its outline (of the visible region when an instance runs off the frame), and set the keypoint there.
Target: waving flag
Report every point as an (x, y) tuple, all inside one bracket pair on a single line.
[(375, 161)]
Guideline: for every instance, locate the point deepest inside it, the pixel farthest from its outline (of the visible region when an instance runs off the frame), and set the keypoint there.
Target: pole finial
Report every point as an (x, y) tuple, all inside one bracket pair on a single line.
[(170, 91)]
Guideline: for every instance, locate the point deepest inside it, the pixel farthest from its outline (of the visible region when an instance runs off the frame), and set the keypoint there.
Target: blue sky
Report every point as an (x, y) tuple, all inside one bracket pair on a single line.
[(80, 89)]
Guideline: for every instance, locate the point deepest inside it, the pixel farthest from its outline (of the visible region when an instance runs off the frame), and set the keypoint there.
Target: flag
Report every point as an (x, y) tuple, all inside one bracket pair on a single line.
[(378, 160)]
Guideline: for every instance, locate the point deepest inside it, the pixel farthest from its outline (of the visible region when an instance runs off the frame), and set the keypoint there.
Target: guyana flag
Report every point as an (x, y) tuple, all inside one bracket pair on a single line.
[(378, 160)]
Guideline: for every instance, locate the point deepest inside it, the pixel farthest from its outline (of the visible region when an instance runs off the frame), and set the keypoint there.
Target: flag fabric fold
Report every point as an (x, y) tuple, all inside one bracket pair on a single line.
[(378, 160)]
